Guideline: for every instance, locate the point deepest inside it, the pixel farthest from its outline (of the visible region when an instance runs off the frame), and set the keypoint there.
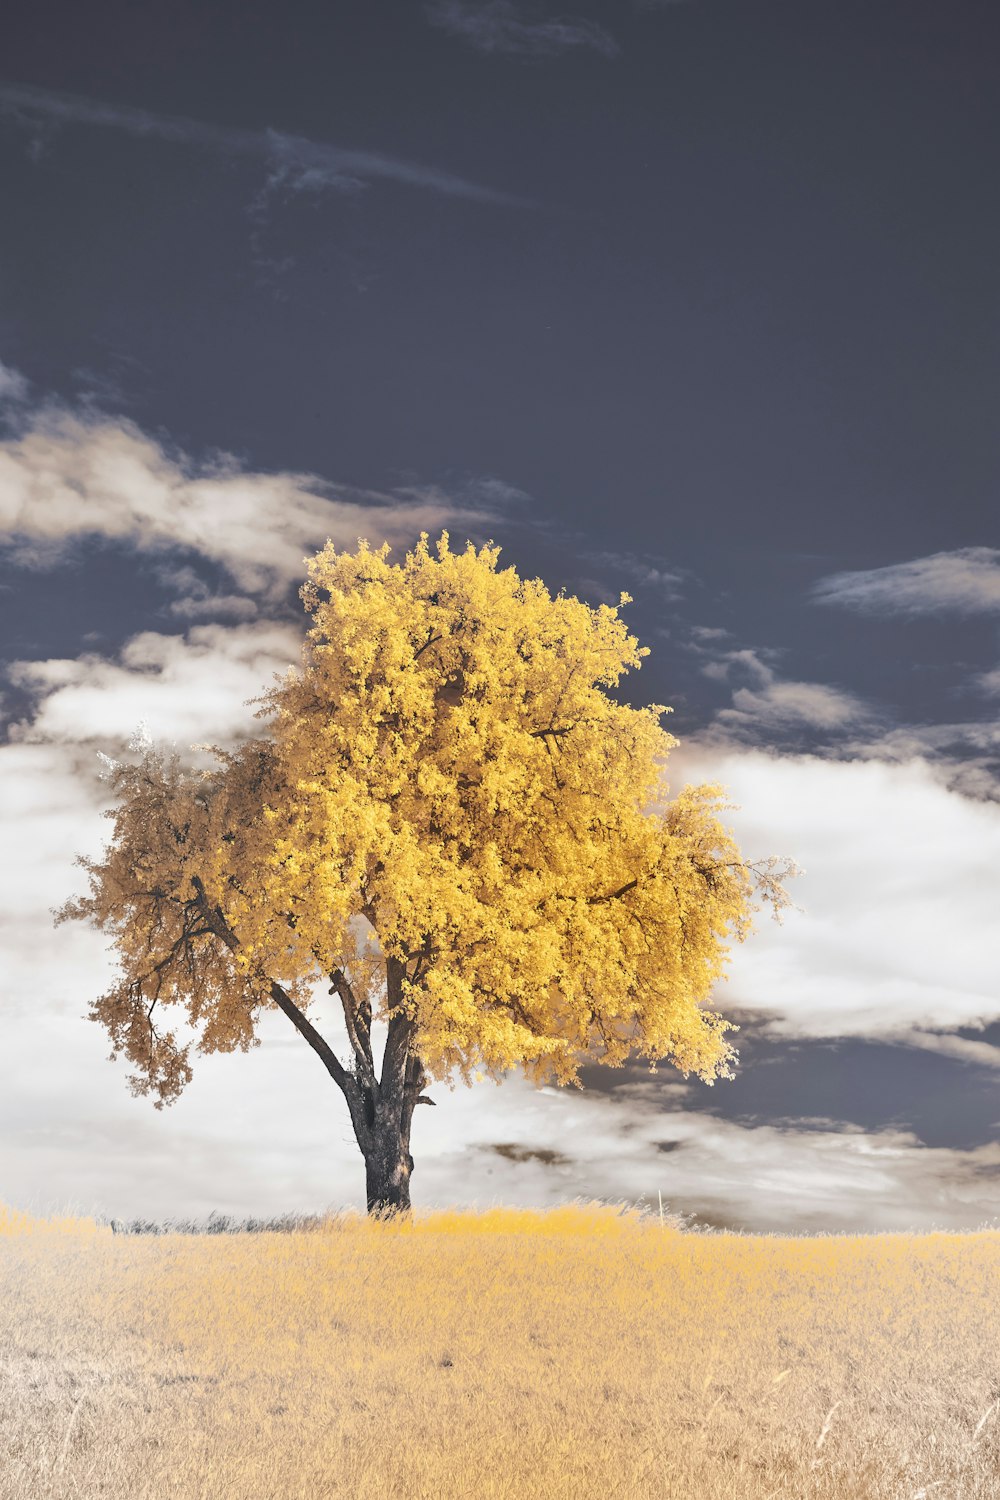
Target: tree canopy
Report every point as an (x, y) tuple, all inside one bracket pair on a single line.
[(451, 823)]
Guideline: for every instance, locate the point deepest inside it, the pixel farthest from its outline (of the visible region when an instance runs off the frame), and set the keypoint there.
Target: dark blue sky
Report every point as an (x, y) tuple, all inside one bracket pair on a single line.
[(695, 299)]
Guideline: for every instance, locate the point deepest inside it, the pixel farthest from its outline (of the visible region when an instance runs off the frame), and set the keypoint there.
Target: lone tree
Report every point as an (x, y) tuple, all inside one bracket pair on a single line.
[(453, 825)]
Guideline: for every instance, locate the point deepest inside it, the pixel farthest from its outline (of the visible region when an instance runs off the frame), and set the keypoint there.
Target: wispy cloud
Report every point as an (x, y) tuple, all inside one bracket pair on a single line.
[(13, 385), (988, 683), (292, 161), (650, 572), (497, 26), (966, 581)]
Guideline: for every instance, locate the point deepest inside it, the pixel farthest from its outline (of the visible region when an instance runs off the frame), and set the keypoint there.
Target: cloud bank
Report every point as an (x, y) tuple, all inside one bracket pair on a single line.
[(496, 26)]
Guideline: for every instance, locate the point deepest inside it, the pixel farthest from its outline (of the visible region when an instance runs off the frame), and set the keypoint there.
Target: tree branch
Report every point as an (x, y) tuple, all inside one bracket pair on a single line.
[(431, 640), (215, 920), (622, 890), (357, 1017)]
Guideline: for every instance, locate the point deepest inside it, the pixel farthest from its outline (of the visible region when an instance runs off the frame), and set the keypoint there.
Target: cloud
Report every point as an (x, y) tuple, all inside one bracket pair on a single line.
[(988, 683), (187, 689), (473, 491), (670, 582), (292, 161), (196, 600), (266, 1133), (773, 707), (964, 757), (489, 490), (783, 705), (706, 636), (13, 385), (896, 936), (496, 26), (65, 476), (966, 581)]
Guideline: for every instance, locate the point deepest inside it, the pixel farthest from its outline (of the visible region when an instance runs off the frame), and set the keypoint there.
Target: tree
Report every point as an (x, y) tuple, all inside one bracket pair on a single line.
[(452, 824)]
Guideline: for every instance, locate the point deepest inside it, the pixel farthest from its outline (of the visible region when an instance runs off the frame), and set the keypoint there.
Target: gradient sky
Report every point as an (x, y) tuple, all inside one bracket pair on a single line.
[(693, 298)]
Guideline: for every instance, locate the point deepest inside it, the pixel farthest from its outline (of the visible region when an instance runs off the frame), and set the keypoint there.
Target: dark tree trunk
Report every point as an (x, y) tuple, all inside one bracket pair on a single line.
[(388, 1168), (387, 1111)]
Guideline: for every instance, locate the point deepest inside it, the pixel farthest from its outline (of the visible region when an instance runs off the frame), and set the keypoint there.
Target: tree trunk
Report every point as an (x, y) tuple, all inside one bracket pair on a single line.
[(387, 1106), (388, 1167)]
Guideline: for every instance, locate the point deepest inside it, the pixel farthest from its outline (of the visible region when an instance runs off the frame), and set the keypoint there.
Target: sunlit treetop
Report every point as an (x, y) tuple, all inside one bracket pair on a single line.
[(448, 818)]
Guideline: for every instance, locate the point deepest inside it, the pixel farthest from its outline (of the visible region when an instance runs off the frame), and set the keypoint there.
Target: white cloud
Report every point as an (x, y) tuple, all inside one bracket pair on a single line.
[(497, 26), (49, 801), (966, 580), (896, 938), (213, 606), (188, 689), (66, 476), (706, 637), (489, 490), (196, 600), (781, 705)]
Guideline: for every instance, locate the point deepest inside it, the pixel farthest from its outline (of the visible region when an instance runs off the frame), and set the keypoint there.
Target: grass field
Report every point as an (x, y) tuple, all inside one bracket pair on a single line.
[(583, 1352)]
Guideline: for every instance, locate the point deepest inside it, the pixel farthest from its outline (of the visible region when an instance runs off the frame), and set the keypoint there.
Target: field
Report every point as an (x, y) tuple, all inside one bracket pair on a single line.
[(584, 1352)]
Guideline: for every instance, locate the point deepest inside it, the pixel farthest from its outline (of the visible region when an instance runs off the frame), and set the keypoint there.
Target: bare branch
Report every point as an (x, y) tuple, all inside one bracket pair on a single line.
[(216, 921), (357, 1017)]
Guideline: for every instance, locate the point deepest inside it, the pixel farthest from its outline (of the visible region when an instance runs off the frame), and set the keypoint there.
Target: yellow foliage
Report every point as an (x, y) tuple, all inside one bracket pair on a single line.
[(453, 821)]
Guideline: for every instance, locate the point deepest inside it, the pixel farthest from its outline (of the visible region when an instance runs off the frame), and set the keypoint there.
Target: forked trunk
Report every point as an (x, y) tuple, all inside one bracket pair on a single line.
[(382, 1109)]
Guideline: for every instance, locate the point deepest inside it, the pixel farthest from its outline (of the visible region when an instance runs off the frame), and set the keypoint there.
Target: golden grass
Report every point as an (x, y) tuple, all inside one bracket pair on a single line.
[(506, 1355)]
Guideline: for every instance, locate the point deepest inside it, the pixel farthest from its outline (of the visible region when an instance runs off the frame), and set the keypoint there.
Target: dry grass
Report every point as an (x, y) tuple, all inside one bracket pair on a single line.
[(584, 1352)]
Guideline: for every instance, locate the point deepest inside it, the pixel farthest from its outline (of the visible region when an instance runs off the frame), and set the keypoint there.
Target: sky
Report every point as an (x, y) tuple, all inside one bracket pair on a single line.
[(695, 299)]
